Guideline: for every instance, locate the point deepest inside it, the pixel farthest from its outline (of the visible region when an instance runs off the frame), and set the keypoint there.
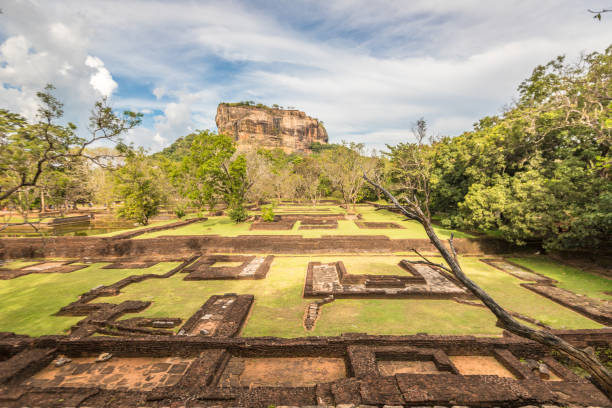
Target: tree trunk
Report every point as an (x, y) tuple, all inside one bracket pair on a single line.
[(584, 359), (589, 362)]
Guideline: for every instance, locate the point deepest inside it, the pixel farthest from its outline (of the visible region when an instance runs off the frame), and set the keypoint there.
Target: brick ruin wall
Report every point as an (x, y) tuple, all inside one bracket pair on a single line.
[(184, 246), (22, 357)]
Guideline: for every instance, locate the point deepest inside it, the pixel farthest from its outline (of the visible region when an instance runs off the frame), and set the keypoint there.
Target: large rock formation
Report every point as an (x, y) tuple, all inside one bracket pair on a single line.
[(261, 126)]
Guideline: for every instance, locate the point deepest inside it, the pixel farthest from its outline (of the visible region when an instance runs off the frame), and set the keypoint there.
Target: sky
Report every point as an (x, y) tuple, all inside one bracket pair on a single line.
[(367, 69)]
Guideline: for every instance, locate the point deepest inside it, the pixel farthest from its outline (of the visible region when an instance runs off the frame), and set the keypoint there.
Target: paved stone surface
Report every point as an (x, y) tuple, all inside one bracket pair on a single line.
[(251, 267), (142, 373), (325, 278), (325, 281)]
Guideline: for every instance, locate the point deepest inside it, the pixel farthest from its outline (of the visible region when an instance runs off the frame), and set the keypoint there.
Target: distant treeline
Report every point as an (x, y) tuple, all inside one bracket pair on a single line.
[(539, 172)]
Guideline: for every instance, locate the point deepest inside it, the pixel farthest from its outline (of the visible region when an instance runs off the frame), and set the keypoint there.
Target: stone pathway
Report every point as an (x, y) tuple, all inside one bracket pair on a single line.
[(325, 278), (252, 267)]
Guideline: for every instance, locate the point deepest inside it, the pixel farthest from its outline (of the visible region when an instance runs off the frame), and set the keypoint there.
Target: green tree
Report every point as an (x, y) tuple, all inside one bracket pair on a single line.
[(312, 182), (69, 185), (29, 150), (540, 172), (213, 172), (344, 166), (137, 184)]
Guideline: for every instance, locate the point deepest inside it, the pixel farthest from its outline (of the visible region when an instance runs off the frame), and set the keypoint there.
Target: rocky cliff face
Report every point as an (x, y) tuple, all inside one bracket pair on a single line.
[(252, 126)]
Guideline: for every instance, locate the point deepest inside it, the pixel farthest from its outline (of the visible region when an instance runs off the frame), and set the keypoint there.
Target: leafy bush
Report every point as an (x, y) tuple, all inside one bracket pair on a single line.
[(238, 214), (446, 223), (179, 212), (267, 213)]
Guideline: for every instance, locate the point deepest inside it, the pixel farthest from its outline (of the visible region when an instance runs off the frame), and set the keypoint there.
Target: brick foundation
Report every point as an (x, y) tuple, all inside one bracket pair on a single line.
[(208, 359), (184, 246)]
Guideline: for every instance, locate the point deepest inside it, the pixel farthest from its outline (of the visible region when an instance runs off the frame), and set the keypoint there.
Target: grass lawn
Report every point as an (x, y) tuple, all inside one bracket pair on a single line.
[(17, 264), (226, 227), (506, 289), (27, 303), (279, 306), (572, 279)]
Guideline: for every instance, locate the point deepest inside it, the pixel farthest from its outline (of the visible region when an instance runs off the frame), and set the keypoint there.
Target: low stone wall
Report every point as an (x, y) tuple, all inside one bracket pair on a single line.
[(132, 234), (595, 309), (208, 358), (181, 246)]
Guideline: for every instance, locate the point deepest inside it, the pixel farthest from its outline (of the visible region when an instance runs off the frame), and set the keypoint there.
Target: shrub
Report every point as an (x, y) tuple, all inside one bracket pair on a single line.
[(446, 223), (238, 214), (267, 213), (179, 212)]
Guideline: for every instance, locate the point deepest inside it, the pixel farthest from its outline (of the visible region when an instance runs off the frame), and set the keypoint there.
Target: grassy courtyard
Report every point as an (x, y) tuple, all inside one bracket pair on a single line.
[(28, 303), (28, 308), (224, 226)]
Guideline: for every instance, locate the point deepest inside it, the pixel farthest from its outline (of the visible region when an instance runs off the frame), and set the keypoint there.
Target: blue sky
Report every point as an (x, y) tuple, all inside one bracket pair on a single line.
[(367, 69)]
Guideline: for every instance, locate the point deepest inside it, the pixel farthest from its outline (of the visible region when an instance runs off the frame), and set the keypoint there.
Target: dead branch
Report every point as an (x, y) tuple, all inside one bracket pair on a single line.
[(427, 261), (600, 374), (515, 314)]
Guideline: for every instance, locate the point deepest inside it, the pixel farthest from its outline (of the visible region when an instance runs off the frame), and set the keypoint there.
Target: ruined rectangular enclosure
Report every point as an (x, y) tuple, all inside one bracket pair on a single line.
[(41, 267), (241, 267), (355, 369), (424, 282)]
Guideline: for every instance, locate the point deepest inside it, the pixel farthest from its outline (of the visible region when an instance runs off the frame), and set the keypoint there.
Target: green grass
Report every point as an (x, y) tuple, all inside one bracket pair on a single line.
[(27, 303), (279, 306), (17, 264), (225, 227), (413, 228), (506, 289), (572, 279), (19, 219)]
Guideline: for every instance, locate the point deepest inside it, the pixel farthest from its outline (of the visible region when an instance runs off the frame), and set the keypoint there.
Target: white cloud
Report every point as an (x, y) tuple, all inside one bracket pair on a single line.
[(367, 69), (159, 92), (101, 80), (159, 140)]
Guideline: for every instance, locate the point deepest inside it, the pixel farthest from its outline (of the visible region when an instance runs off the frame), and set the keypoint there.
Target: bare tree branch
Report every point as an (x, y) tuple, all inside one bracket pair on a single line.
[(515, 314), (589, 362), (427, 261), (598, 13)]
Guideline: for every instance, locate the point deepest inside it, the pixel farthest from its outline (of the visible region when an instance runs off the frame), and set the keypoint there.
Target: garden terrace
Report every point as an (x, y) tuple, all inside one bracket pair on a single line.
[(95, 298)]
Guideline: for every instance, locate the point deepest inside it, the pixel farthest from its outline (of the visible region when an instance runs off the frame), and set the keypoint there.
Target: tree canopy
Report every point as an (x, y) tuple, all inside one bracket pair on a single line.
[(29, 150), (540, 172)]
